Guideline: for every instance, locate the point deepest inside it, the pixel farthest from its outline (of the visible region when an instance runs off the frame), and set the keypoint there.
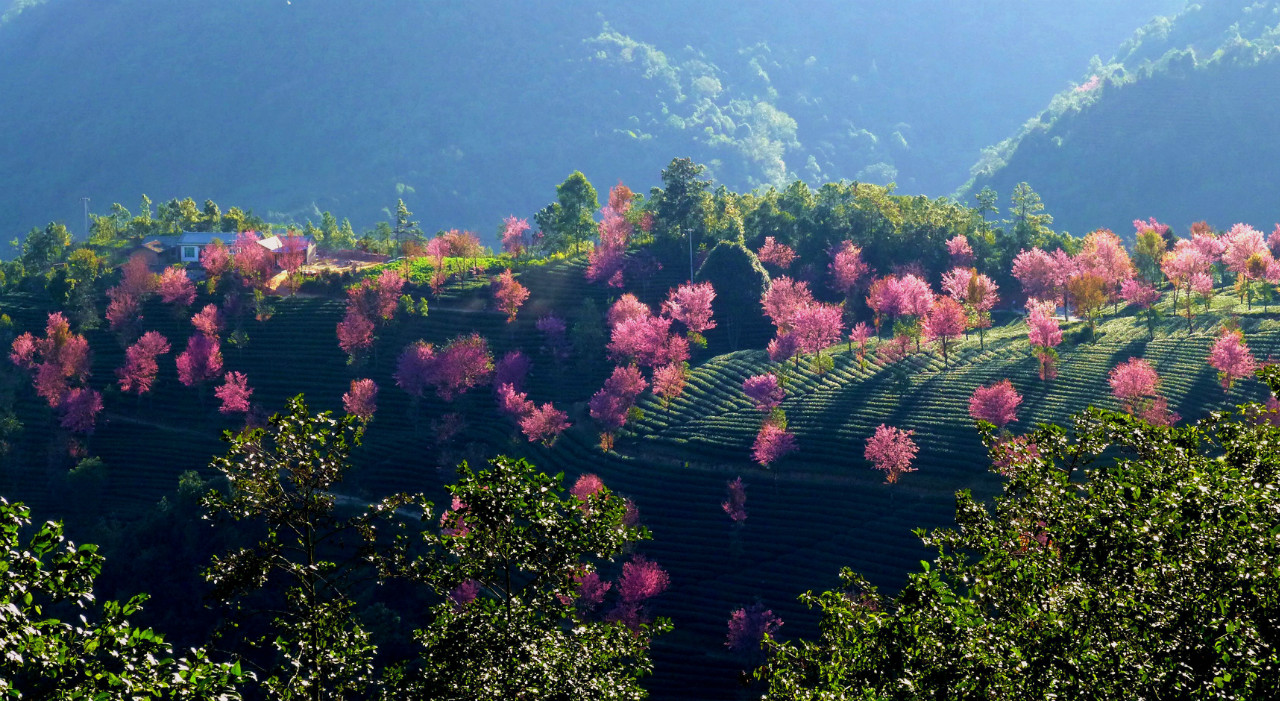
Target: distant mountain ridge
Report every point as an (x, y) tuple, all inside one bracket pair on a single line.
[(471, 111), (1184, 120)]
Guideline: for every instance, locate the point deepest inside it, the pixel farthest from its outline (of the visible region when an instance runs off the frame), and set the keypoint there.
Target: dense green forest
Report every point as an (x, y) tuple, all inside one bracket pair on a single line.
[(316, 105), (1181, 119)]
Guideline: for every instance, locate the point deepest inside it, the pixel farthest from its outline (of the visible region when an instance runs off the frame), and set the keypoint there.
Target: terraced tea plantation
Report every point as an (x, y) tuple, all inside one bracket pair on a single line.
[(820, 509)]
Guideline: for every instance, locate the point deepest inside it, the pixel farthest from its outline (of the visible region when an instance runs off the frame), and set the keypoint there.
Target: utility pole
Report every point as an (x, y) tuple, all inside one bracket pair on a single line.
[(691, 256), (85, 200)]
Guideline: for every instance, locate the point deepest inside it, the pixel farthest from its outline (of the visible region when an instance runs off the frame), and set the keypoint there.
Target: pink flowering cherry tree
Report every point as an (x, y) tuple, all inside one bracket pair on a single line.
[(509, 294), (847, 270), (57, 361), (612, 404), (783, 299), (773, 442), (996, 404), (1135, 384), (140, 366), (515, 239), (1103, 254), (641, 580), (960, 251), (669, 383), (816, 327), (200, 362), (208, 321), (1037, 272), (749, 630), (544, 424), (690, 304), (1230, 356), (361, 400), (1044, 335), (891, 451), (884, 299), (177, 289), (1141, 295), (764, 392), (79, 409), (944, 323), (234, 393), (778, 255), (860, 334), (735, 503)]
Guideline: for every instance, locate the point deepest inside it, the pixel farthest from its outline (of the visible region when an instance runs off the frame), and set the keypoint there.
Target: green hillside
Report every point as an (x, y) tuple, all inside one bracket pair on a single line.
[(1182, 119), (821, 509)]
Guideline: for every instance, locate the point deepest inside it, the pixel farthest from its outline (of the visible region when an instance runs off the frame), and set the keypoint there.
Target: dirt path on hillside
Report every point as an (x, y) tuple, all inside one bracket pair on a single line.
[(156, 425)]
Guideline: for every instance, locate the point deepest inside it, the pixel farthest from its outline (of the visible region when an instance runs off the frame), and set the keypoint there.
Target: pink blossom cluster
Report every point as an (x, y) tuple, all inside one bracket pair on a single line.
[(783, 299), (960, 251), (59, 363), (817, 326), (208, 320), (904, 295), (847, 268), (735, 503), (514, 235), (1139, 293), (1246, 252), (1230, 356), (1044, 334), (201, 361), (1136, 384), (1093, 83), (773, 442), (512, 370), (860, 335), (140, 366), (690, 304), (369, 303), (234, 393), (216, 261), (461, 364), (669, 382), (176, 288), (451, 244), (361, 400), (586, 486), (252, 261), (509, 294), (945, 321), (611, 405), (640, 337), (776, 254), (125, 299), (605, 262), (641, 580), (764, 392), (748, 629), (891, 451), (996, 403)]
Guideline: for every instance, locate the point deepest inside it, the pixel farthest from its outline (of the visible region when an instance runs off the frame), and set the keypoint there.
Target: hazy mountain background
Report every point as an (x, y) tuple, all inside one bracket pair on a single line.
[(474, 110), (1182, 126)]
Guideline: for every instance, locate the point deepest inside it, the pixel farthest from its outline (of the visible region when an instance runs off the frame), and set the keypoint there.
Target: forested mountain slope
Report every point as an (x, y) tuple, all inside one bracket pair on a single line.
[(297, 107), (1184, 119)]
